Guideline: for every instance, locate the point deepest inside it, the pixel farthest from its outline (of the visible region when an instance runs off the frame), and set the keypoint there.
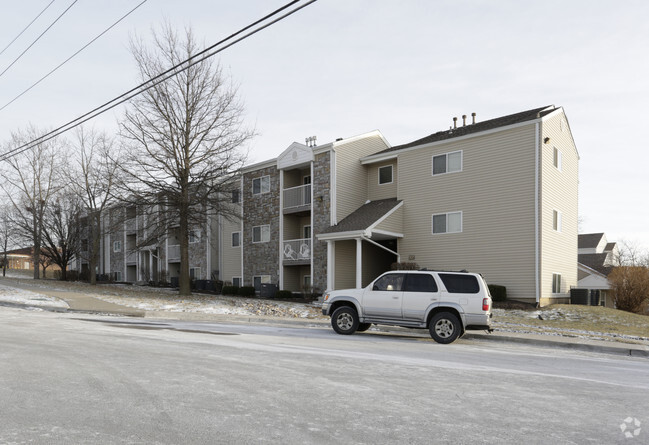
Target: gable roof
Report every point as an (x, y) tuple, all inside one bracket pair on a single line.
[(490, 124), (595, 261), (363, 217), (589, 240)]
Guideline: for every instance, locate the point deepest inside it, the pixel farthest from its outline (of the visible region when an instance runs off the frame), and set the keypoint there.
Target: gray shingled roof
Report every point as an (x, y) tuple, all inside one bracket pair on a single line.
[(477, 127), (595, 261), (364, 216), (589, 240)]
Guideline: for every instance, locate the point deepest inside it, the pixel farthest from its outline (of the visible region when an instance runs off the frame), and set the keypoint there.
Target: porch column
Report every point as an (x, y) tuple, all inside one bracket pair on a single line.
[(331, 266), (359, 263)]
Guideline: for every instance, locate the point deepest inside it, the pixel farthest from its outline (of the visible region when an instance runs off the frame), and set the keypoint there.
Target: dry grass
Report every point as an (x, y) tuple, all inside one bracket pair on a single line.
[(576, 321)]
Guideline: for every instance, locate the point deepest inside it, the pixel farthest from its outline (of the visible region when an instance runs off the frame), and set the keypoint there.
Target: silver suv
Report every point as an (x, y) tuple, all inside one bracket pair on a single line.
[(445, 303)]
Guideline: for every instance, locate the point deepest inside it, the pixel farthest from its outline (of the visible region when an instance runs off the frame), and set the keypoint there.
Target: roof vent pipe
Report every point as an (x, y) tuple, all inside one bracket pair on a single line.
[(455, 122), (473, 116), (464, 120)]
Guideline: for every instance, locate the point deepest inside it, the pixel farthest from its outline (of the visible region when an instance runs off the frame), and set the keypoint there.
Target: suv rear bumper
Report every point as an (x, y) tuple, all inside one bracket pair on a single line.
[(477, 321)]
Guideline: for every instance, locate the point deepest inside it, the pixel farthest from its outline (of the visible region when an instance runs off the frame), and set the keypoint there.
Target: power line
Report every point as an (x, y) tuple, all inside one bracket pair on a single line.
[(73, 55), (176, 69), (25, 28), (38, 38)]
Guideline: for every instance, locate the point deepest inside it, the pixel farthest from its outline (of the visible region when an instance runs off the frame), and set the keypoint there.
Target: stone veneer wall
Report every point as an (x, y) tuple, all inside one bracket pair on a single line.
[(321, 218), (258, 210)]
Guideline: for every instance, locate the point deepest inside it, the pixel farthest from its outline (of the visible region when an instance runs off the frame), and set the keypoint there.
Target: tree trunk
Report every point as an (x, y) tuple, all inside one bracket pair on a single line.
[(95, 234), (184, 281), (36, 254)]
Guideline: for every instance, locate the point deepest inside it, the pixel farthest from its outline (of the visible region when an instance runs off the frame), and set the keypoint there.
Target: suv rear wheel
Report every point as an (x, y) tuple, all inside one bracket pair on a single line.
[(344, 320), (444, 327)]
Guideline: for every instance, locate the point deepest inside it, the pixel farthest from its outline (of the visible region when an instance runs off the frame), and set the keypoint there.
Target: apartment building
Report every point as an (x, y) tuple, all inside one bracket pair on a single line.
[(498, 197)]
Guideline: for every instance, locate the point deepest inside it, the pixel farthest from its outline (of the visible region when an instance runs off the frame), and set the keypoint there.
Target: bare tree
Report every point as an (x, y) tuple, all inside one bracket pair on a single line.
[(630, 253), (62, 232), (6, 233), (32, 179), (185, 139), (92, 178)]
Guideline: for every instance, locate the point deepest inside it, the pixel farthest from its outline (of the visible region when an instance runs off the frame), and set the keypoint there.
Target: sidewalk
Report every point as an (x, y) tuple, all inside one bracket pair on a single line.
[(79, 302)]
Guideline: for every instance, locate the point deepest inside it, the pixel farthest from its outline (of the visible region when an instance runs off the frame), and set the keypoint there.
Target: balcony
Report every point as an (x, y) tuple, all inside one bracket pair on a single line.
[(131, 258), (297, 251), (173, 253), (297, 199)]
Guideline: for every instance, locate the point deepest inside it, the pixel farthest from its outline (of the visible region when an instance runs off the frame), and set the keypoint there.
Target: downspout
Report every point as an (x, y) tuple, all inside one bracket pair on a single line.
[(537, 253)]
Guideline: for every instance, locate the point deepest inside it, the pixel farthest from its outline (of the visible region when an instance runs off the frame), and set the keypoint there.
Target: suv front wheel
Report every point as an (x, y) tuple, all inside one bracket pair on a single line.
[(344, 320), (444, 328)]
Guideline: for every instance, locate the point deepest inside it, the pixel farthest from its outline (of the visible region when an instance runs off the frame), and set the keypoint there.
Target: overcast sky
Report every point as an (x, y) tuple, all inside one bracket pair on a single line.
[(340, 68)]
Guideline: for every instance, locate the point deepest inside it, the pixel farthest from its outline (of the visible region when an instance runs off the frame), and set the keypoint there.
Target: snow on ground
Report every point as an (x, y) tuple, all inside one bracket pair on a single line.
[(12, 295)]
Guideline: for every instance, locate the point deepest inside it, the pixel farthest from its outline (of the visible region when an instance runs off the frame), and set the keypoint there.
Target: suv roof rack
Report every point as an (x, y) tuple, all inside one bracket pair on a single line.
[(425, 269)]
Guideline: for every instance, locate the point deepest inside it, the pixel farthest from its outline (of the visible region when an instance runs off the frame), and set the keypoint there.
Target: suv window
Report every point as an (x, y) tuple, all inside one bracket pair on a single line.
[(416, 282), (460, 284), (390, 282)]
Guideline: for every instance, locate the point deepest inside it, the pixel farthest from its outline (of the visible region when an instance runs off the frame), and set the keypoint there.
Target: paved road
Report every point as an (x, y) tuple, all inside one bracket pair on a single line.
[(67, 378)]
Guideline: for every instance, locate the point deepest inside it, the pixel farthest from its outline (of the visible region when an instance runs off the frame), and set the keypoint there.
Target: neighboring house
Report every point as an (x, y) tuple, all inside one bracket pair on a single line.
[(595, 261), (19, 258), (497, 197)]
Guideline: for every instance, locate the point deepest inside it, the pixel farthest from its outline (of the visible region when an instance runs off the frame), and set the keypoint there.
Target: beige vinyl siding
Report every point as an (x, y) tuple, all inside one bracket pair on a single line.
[(393, 223), (230, 256), (495, 193), (351, 176), (559, 191), (345, 264), (377, 191), (292, 280)]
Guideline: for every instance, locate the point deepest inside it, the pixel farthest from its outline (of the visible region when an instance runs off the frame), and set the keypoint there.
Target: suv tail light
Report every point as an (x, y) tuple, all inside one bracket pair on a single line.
[(485, 304)]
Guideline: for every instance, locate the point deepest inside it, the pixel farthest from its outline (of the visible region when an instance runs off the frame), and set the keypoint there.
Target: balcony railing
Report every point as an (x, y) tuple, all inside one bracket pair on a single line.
[(297, 250), (173, 253), (131, 258), (297, 196)]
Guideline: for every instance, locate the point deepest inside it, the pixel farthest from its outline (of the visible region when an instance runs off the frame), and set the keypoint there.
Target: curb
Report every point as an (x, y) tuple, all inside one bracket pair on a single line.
[(617, 350)]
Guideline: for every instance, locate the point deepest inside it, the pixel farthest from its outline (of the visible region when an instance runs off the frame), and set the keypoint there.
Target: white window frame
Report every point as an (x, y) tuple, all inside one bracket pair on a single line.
[(196, 275), (264, 185), (238, 233), (194, 236), (304, 230), (391, 167), (118, 275), (240, 281), (557, 220), (117, 246), (263, 230), (557, 158), (556, 282), (432, 222), (236, 196), (446, 170)]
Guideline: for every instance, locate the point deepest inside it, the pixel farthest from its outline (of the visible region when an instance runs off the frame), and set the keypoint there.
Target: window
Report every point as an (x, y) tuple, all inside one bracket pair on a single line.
[(389, 282), (194, 273), (306, 232), (194, 236), (306, 180), (447, 163), (385, 175), (556, 220), (556, 283), (84, 245), (258, 280), (306, 282), (118, 276), (117, 246), (261, 185), (236, 196), (557, 158), (447, 223), (261, 234), (417, 282), (460, 284), (236, 239), (236, 281)]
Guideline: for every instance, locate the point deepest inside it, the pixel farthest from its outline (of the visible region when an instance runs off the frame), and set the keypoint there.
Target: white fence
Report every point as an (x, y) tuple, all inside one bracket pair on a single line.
[(297, 249)]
